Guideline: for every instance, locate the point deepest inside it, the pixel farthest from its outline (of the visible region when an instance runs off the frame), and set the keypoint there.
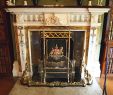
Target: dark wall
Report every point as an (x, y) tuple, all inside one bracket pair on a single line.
[(6, 45)]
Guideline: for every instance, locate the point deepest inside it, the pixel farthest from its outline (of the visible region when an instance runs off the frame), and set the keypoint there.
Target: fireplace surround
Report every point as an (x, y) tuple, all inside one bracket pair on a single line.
[(54, 45)]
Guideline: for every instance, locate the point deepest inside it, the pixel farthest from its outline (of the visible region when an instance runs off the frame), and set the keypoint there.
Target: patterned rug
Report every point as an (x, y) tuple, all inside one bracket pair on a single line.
[(93, 89)]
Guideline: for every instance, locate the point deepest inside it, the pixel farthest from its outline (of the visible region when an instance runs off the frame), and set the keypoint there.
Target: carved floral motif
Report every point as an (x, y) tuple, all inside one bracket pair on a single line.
[(51, 19)]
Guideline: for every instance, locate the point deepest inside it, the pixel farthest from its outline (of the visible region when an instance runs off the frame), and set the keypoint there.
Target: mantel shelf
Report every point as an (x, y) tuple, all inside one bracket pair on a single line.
[(53, 6), (16, 10)]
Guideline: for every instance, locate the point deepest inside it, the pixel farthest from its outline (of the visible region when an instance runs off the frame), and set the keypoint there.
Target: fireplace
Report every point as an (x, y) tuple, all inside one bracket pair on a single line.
[(57, 48), (56, 55), (53, 53)]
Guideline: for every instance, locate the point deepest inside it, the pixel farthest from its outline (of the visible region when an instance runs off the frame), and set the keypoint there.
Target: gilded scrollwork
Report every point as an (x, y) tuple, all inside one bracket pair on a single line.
[(26, 78)]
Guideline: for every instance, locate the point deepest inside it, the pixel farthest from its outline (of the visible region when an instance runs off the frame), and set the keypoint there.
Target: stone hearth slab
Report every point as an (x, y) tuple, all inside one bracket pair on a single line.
[(93, 89)]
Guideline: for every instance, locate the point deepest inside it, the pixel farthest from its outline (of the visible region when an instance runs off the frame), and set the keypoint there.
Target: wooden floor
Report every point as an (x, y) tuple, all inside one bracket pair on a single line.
[(109, 83), (6, 84)]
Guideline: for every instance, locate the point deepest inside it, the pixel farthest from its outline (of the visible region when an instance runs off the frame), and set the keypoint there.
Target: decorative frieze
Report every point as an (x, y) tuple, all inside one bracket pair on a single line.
[(57, 19)]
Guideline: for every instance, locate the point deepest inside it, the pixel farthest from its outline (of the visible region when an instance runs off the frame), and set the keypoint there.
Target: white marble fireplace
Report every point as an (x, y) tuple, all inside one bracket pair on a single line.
[(58, 20)]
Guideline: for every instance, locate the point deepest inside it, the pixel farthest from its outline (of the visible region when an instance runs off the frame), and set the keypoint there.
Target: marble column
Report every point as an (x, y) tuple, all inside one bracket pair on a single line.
[(93, 64)]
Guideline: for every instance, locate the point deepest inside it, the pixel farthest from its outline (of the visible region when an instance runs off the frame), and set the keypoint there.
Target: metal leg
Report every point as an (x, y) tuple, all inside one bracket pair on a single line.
[(41, 76), (44, 76), (68, 76)]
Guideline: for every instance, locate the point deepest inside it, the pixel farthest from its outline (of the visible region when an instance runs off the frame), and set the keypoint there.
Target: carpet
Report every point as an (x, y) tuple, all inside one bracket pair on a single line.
[(19, 89)]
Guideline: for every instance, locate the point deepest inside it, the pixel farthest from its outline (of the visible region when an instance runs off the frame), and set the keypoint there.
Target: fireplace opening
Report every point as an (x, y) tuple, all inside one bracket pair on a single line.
[(56, 56)]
